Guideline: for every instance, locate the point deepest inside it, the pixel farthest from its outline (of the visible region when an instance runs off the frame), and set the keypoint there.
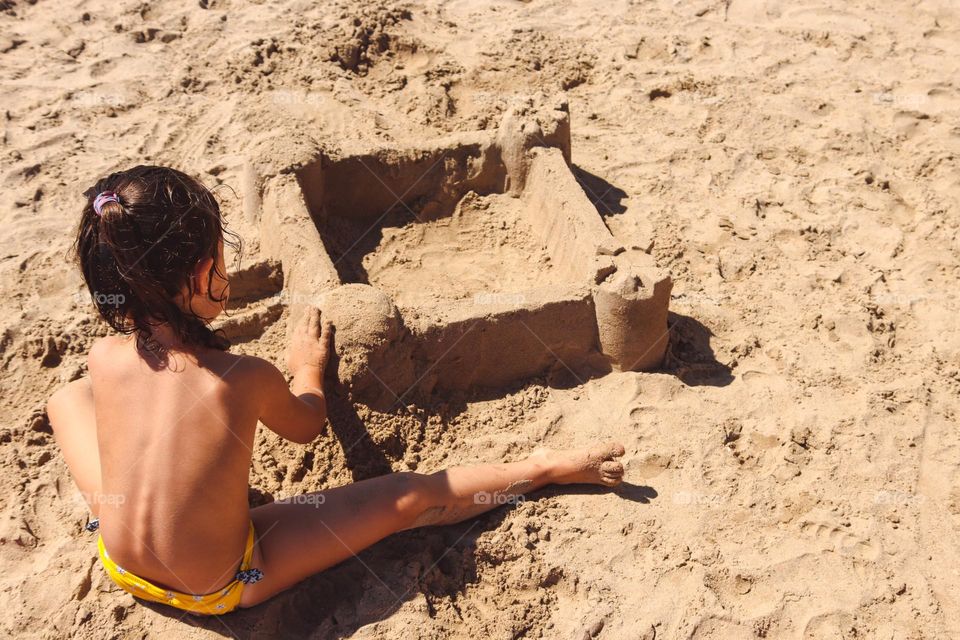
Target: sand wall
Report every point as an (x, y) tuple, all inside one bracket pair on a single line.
[(540, 330), (564, 219), (429, 179), (289, 236)]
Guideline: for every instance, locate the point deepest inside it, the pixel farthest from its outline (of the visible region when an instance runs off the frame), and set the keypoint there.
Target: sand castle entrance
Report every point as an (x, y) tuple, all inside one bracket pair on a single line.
[(473, 260)]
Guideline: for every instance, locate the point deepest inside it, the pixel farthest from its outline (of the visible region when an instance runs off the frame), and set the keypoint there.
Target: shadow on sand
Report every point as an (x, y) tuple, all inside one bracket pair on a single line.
[(435, 564)]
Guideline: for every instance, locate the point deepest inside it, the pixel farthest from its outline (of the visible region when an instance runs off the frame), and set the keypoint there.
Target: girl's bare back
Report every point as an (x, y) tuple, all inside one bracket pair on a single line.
[(175, 445)]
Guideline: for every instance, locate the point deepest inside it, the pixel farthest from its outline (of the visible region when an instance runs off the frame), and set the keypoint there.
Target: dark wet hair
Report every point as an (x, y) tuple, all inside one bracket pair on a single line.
[(139, 252)]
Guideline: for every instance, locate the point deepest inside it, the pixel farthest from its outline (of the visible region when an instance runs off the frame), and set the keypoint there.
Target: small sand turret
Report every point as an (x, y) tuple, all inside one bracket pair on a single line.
[(632, 319)]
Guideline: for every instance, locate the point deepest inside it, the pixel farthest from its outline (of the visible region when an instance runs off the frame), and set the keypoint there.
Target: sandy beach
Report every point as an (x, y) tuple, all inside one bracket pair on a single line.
[(792, 168)]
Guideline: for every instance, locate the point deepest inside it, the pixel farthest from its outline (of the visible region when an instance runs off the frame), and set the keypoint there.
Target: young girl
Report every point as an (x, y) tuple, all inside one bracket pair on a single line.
[(159, 436)]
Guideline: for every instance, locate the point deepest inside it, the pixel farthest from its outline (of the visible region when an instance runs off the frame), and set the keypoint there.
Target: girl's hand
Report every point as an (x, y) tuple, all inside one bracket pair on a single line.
[(298, 412), (310, 345)]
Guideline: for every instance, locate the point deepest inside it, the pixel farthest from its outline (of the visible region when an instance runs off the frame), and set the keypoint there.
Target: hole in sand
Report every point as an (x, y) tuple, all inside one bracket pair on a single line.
[(401, 225)]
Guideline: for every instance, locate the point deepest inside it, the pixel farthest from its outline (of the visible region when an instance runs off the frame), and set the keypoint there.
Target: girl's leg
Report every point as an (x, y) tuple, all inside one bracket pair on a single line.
[(302, 536), (74, 424)]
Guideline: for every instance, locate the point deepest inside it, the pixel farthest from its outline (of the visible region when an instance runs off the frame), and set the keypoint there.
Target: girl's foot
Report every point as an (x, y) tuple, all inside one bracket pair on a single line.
[(590, 465)]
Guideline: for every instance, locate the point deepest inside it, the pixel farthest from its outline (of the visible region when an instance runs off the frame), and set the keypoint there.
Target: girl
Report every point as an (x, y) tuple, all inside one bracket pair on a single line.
[(159, 435)]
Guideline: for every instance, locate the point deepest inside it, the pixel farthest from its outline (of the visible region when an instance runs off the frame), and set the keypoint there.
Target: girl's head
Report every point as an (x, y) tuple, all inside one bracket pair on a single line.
[(150, 246)]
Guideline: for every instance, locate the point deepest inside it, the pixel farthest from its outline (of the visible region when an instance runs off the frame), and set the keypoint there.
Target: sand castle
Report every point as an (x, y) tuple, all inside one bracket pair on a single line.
[(531, 279)]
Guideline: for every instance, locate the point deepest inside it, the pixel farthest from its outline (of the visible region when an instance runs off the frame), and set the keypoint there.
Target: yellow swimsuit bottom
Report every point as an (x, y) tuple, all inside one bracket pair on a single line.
[(222, 601)]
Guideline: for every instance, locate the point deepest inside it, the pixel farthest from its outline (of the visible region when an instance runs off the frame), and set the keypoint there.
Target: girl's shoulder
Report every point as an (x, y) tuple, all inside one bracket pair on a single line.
[(234, 367), (106, 349), (251, 368)]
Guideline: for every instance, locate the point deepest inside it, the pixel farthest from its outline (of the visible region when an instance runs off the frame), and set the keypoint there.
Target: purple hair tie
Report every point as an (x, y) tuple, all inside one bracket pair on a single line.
[(102, 199)]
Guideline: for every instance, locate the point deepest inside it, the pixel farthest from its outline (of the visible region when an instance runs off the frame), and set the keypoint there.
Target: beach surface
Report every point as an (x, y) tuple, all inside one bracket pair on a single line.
[(791, 472)]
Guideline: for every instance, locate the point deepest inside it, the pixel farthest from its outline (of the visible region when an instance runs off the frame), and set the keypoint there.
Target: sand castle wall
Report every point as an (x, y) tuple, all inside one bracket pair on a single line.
[(554, 205), (540, 330), (430, 179)]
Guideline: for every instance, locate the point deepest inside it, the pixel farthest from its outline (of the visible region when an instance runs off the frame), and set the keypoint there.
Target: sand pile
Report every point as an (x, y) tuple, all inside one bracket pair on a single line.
[(793, 168)]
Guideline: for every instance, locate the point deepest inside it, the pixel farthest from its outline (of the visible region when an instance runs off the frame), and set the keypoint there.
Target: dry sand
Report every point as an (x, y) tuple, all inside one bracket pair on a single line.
[(484, 249), (794, 167)]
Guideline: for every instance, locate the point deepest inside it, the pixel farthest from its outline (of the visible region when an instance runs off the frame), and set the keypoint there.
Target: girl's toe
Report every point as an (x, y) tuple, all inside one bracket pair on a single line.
[(612, 468)]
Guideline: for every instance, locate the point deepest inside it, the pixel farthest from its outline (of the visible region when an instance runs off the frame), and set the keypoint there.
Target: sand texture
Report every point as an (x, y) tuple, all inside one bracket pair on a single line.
[(794, 168)]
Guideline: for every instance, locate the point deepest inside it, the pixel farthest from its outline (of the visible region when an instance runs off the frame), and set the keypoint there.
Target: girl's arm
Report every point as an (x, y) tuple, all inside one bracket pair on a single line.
[(298, 412)]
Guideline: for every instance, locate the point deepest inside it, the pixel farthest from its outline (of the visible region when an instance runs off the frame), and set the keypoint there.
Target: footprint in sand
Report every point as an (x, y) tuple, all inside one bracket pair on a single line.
[(642, 419), (842, 541)]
